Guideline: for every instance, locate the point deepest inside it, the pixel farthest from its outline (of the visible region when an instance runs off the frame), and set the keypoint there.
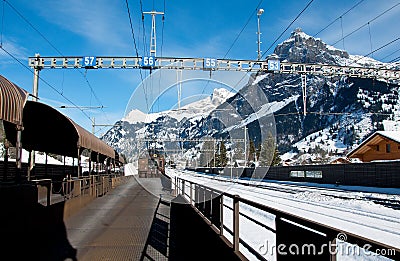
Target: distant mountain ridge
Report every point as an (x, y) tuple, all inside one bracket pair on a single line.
[(341, 111)]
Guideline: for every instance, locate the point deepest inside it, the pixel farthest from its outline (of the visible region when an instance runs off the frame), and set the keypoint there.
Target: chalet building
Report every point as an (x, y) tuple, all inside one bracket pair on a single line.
[(382, 145), (340, 160)]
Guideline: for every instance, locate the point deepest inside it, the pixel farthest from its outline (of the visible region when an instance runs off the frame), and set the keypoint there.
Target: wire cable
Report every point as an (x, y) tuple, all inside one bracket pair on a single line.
[(383, 46), (294, 20), (345, 13), (162, 43), (2, 24), (44, 81), (241, 31), (56, 49), (137, 53), (359, 28)]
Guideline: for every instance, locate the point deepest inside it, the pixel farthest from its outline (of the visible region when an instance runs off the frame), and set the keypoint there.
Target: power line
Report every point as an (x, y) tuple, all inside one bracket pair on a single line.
[(137, 53), (294, 20), (302, 11), (345, 13), (383, 46), (2, 24), (132, 31), (390, 54), (44, 81), (395, 59), (245, 25), (54, 47), (237, 37), (144, 30), (162, 43), (359, 28)]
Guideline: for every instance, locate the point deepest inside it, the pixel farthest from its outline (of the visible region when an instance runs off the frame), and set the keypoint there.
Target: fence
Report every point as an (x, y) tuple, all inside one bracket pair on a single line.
[(224, 212), (375, 174)]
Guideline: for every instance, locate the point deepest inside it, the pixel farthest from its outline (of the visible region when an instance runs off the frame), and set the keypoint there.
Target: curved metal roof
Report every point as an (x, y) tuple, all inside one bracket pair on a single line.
[(12, 101), (48, 130), (44, 128)]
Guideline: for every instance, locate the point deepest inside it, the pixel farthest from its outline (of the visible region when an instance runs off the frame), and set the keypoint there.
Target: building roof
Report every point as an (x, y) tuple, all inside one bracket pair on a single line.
[(374, 139)]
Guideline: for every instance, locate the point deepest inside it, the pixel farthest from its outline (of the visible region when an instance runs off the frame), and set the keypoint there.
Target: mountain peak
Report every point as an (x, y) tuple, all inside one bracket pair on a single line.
[(303, 48), (220, 95)]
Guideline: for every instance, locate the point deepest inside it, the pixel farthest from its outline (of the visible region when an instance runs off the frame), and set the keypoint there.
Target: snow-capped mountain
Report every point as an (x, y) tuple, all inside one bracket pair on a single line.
[(137, 128), (341, 111)]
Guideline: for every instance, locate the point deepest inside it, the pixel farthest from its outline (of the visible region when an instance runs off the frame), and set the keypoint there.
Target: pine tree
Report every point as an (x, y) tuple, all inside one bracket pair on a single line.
[(267, 151), (252, 151), (206, 155), (222, 158), (276, 160)]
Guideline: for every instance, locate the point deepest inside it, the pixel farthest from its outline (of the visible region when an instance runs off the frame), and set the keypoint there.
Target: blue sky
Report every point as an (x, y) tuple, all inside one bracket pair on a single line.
[(191, 29)]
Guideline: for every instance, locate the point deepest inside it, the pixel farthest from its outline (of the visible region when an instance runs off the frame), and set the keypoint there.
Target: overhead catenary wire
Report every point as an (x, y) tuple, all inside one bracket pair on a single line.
[(294, 20), (55, 48), (235, 40), (340, 17), (387, 56), (373, 51), (244, 27), (162, 43), (284, 31), (2, 23), (370, 21), (44, 81), (136, 50)]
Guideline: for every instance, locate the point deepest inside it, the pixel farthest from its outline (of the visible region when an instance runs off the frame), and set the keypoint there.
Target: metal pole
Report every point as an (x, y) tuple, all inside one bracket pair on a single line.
[(236, 223), (304, 89), (35, 93), (214, 154), (93, 125), (245, 146), (259, 13), (153, 37)]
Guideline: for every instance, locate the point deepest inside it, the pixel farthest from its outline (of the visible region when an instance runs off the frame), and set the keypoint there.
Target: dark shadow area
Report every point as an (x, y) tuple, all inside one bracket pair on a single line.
[(157, 243), (192, 238), (31, 231)]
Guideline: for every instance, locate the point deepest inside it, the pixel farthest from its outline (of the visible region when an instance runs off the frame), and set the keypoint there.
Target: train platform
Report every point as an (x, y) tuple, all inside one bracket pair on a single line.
[(128, 223)]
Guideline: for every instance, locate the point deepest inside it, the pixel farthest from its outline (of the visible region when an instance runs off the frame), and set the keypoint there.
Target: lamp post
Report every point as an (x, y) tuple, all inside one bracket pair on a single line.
[(259, 13)]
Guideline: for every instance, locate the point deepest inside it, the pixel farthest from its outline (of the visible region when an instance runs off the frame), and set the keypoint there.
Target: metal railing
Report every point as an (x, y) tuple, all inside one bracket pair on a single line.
[(54, 191), (211, 205)]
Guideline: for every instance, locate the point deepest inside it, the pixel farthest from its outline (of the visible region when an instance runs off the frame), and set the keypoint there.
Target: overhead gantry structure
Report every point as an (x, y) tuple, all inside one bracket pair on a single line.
[(210, 64)]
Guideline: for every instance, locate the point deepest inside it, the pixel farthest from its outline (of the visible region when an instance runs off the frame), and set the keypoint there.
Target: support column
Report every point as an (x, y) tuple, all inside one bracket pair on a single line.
[(304, 91), (35, 94), (18, 154)]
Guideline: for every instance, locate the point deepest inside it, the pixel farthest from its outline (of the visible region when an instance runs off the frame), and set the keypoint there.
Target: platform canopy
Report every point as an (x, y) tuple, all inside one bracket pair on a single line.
[(48, 130), (12, 101), (44, 128)]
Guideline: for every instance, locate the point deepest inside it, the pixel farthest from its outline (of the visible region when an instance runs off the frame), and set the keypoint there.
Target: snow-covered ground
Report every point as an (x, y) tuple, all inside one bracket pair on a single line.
[(344, 208)]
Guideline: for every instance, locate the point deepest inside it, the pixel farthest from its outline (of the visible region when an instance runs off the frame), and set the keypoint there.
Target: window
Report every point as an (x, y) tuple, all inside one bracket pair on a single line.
[(314, 174), (377, 147), (296, 174), (387, 148)]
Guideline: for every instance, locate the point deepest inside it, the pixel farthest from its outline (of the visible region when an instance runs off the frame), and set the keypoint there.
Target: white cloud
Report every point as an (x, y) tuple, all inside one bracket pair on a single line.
[(103, 23)]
